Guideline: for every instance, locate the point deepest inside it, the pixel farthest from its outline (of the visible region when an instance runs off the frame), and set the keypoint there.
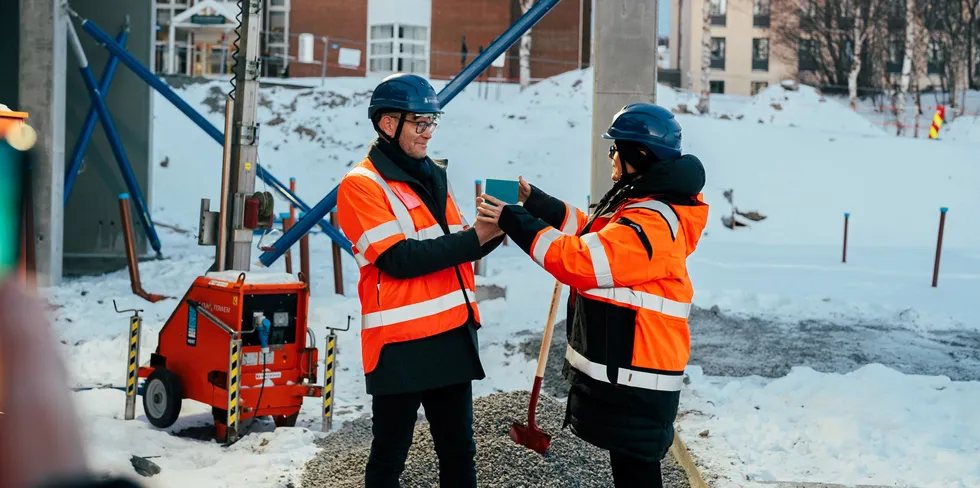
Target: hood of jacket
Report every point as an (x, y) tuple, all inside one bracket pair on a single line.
[(678, 182)]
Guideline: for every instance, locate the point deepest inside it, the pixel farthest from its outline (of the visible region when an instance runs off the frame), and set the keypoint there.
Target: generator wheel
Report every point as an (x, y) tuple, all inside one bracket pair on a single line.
[(162, 398)]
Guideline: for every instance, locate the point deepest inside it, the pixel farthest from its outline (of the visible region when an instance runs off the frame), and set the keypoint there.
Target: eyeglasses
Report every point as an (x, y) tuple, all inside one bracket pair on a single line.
[(421, 125), (612, 151)]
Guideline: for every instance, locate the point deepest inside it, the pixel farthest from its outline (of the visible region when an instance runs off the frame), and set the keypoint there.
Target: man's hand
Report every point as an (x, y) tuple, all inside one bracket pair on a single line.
[(486, 228), (525, 189)]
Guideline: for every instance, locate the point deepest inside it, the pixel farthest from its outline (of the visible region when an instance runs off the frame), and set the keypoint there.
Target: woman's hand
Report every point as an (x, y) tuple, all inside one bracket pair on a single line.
[(525, 189), (489, 209)]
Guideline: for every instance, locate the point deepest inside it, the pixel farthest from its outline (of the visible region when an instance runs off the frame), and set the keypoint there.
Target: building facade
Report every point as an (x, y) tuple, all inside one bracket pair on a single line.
[(434, 38), (201, 42), (747, 56)]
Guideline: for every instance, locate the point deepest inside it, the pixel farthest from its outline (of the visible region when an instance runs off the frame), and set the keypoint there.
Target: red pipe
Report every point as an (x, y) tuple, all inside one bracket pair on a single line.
[(134, 271)]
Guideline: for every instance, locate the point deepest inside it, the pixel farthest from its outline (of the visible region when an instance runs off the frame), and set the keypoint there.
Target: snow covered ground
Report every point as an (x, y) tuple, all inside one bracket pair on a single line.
[(873, 425)]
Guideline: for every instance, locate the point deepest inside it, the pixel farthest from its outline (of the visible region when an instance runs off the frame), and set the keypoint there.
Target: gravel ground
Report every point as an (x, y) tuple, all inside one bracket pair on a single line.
[(734, 346), (500, 462)]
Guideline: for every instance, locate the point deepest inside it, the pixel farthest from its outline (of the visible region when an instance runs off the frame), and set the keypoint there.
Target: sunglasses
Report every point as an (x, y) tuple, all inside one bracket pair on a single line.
[(612, 151), (421, 125)]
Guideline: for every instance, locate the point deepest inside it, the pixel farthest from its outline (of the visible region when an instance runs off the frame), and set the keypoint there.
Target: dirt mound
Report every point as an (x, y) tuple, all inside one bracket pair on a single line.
[(500, 463)]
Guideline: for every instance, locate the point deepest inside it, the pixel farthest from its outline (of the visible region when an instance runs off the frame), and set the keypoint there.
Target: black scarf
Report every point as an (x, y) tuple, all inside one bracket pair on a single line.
[(419, 169)]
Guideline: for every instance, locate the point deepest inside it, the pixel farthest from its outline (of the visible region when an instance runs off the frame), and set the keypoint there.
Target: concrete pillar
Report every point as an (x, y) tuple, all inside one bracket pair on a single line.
[(43, 49), (625, 61)]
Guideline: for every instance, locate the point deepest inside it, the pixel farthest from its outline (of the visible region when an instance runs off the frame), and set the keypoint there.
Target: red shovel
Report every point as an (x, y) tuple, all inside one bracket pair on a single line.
[(530, 435)]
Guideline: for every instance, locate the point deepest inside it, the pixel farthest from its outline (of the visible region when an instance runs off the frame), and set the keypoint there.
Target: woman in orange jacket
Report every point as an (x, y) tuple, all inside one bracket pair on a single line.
[(625, 263)]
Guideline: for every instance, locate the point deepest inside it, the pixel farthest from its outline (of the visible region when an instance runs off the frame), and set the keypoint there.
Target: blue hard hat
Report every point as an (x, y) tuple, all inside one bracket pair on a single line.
[(650, 125), (406, 93)]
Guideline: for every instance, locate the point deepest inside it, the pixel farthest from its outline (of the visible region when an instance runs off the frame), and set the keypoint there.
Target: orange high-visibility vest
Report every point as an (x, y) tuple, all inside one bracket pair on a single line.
[(376, 214), (610, 264)]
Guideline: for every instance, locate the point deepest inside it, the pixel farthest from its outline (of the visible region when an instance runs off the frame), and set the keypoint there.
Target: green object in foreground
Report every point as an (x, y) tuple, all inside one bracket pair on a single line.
[(11, 176)]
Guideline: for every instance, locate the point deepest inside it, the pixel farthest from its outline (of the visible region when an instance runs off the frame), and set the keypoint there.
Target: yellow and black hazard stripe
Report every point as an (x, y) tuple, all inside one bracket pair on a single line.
[(134, 329), (233, 379), (328, 382)]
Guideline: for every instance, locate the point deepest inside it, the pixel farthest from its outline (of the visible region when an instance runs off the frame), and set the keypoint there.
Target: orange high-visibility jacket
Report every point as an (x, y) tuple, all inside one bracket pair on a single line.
[(628, 338), (375, 214)]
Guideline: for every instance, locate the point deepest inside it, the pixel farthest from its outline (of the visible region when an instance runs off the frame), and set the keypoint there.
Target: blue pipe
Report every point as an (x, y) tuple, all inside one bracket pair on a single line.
[(456, 85), (89, 126), (143, 72), (499, 45)]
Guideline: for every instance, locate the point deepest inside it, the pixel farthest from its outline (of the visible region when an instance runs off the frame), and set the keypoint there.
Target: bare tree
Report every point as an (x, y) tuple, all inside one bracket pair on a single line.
[(860, 34), (953, 29), (920, 63), (903, 87), (524, 51), (703, 104)]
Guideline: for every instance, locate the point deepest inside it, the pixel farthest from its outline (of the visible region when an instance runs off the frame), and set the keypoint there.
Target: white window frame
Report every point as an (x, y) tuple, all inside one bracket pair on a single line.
[(396, 42)]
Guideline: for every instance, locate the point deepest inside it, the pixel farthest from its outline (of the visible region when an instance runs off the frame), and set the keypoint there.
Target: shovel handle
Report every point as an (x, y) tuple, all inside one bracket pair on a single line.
[(548, 329)]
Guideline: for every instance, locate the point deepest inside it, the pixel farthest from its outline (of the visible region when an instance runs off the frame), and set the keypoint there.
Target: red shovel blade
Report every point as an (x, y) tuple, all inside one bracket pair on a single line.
[(531, 437)]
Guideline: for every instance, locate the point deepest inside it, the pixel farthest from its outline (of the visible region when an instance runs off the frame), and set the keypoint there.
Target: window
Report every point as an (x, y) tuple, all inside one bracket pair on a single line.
[(277, 2), (717, 87), (935, 61), (718, 10), (718, 53), (758, 86), (807, 54), (397, 47), (277, 27), (896, 55), (760, 54), (760, 13)]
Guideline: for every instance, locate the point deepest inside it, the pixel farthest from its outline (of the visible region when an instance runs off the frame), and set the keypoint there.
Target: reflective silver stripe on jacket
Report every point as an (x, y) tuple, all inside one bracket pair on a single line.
[(665, 211), (625, 376), (570, 226), (641, 300)]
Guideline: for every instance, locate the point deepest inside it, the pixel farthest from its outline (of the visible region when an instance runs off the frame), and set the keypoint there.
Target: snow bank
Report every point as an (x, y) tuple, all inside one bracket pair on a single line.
[(805, 107), (963, 129), (873, 425)]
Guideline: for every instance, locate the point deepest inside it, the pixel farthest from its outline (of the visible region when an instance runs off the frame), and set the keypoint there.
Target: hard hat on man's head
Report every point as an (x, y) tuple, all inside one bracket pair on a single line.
[(405, 93), (650, 125)]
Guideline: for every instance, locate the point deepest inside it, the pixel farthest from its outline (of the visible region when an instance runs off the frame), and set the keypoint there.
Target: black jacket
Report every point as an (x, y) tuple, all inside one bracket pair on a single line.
[(453, 356), (630, 421)]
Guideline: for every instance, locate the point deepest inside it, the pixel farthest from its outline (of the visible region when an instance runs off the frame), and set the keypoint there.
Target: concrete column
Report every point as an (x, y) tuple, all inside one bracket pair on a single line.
[(625, 61), (43, 49)]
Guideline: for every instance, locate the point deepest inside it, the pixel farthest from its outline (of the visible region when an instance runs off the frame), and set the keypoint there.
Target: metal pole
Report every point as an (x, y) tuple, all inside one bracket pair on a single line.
[(245, 135), (135, 325), (581, 19), (847, 216), (939, 245), (286, 221), (328, 381), (323, 72), (304, 254), (224, 219)]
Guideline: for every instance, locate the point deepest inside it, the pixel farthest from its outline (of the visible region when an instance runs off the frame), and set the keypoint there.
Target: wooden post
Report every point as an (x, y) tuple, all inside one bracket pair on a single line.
[(286, 224), (304, 255), (847, 215), (939, 245), (338, 267)]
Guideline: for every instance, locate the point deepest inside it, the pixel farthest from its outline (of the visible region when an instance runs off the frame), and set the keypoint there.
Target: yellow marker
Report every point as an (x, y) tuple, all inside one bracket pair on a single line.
[(248, 166)]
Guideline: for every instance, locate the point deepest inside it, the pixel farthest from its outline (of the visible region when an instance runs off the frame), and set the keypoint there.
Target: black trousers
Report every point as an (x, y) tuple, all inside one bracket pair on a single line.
[(635, 473), (449, 411)]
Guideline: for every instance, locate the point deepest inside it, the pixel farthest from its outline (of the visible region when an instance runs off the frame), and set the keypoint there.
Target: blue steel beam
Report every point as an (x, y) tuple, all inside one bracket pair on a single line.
[(143, 72), (122, 161), (81, 145), (456, 85)]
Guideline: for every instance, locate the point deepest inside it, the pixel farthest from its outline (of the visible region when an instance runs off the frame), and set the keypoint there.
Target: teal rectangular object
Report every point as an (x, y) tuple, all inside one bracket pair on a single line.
[(506, 191)]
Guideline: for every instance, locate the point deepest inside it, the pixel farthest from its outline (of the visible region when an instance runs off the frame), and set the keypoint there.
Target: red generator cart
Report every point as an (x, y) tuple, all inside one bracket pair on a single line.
[(238, 345)]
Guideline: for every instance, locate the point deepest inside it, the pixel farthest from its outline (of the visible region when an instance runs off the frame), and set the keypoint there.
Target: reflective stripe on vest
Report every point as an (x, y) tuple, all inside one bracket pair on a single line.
[(570, 226), (625, 376), (415, 311), (600, 261), (402, 224), (665, 211)]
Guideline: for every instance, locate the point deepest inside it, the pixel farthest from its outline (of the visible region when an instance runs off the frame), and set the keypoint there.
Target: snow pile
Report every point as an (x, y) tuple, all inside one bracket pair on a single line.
[(500, 462), (871, 426), (963, 129), (804, 106)]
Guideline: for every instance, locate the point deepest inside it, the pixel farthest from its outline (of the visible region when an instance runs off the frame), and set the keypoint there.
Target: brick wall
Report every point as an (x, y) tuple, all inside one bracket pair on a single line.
[(344, 22), (554, 45)]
